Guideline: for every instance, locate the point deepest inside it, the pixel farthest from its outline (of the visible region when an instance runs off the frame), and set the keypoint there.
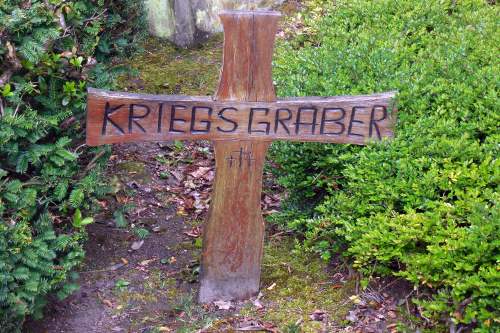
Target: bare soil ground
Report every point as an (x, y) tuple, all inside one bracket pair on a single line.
[(129, 285), (123, 289)]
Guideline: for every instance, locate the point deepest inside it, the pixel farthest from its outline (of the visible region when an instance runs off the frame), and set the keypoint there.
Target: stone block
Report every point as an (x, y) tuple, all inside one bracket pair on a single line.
[(188, 22)]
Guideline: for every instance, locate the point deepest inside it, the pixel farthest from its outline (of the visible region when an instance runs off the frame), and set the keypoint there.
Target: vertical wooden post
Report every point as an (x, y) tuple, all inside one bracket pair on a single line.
[(234, 232)]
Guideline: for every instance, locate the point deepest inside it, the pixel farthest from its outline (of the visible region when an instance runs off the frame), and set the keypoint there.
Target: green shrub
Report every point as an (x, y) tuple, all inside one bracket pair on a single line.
[(423, 206), (49, 51)]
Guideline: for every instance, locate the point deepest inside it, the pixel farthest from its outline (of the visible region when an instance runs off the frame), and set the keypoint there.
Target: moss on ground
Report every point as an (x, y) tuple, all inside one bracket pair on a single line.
[(150, 303), (164, 69), (295, 284), (133, 171), (156, 287)]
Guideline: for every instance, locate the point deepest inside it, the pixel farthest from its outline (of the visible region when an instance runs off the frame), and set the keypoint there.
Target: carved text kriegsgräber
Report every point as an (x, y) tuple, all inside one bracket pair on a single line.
[(130, 117)]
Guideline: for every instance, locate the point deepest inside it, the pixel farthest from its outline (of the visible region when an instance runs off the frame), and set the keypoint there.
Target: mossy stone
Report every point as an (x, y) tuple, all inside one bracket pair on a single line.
[(133, 171)]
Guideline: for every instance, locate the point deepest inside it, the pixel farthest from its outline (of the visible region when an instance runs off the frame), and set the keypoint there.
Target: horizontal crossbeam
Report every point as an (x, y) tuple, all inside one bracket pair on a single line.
[(115, 117)]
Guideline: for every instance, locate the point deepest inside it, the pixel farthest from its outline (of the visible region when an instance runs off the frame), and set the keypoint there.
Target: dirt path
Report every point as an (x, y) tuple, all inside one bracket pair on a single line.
[(129, 284), (119, 285), (141, 269)]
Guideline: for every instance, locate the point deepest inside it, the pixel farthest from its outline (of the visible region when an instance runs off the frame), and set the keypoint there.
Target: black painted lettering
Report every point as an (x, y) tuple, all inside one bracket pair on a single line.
[(174, 120), (132, 117), (353, 120), (373, 121), (207, 123), (108, 111), (279, 120), (266, 123), (160, 117), (299, 121), (338, 120), (234, 123)]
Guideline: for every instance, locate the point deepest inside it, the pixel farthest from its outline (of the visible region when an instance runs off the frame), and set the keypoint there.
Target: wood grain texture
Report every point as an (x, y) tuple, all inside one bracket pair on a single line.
[(247, 60), (123, 117), (234, 232)]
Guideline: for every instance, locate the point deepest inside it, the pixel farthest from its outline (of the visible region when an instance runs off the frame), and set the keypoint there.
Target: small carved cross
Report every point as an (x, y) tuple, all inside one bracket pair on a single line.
[(242, 156), (243, 118)]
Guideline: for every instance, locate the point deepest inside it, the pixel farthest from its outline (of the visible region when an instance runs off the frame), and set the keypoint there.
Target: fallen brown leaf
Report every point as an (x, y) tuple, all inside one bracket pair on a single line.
[(195, 232), (223, 305), (146, 262), (318, 315), (164, 329), (200, 172), (107, 303)]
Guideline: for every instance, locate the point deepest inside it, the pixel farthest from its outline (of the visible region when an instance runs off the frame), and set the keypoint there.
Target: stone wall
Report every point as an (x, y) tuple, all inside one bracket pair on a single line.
[(186, 22)]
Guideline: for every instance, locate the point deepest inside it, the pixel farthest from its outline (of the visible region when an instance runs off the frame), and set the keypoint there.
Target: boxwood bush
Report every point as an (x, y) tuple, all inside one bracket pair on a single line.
[(423, 206), (49, 52)]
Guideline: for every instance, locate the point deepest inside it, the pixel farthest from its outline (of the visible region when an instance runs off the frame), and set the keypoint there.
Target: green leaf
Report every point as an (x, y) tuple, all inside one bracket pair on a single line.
[(77, 217), (22, 163), (198, 243), (6, 92), (120, 220), (67, 155), (86, 221), (121, 284), (79, 222), (76, 198), (10, 196), (63, 142), (61, 190), (141, 233)]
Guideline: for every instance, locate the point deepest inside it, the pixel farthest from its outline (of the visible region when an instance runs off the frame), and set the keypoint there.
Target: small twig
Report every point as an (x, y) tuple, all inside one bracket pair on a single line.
[(99, 271), (4, 182), (12, 59), (17, 109), (253, 329), (95, 17), (406, 301), (286, 232), (1, 107), (389, 284), (68, 122), (93, 161), (33, 181), (66, 33), (357, 285), (80, 147), (453, 327)]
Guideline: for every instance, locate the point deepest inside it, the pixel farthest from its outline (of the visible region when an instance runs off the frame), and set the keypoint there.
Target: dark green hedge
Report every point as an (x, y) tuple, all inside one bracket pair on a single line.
[(49, 52), (425, 205)]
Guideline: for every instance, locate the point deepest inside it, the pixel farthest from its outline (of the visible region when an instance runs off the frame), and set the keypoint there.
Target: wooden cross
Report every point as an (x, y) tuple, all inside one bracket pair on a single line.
[(241, 120)]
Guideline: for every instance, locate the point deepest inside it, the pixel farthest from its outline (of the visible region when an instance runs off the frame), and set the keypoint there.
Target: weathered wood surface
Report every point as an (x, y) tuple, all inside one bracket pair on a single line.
[(234, 232), (122, 117), (242, 120), (233, 237), (248, 54)]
